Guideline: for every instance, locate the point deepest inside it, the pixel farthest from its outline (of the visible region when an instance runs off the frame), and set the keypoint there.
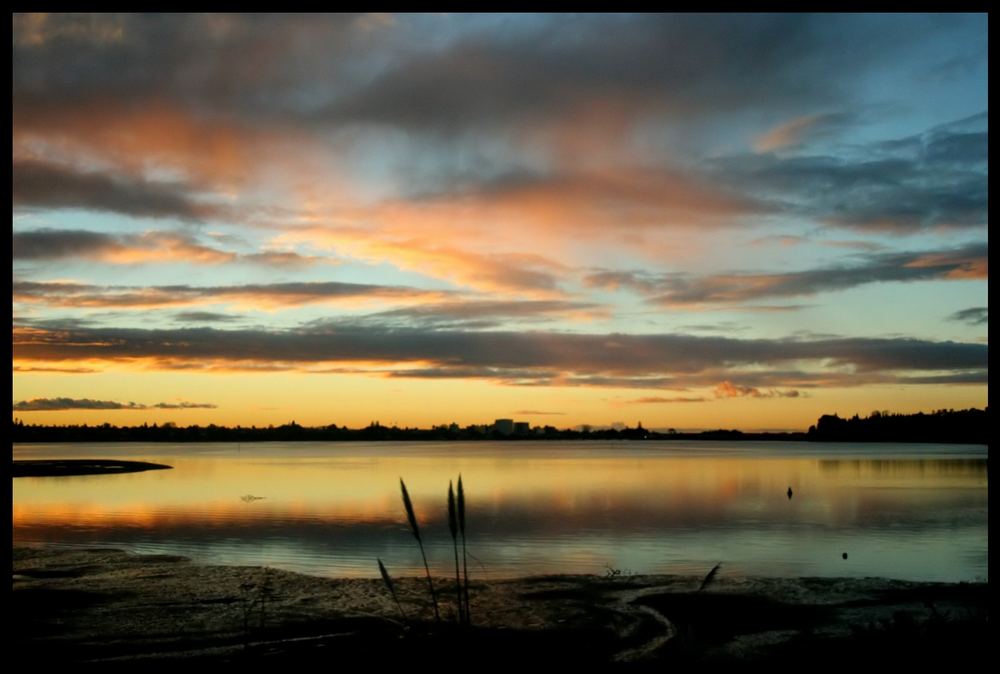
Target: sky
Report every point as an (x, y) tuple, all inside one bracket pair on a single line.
[(688, 221)]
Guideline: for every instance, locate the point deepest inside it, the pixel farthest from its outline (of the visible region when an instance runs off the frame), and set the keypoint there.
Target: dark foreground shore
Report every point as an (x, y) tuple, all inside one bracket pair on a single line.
[(111, 608)]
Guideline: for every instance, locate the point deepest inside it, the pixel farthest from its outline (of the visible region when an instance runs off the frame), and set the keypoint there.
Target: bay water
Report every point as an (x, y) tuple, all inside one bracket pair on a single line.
[(907, 511)]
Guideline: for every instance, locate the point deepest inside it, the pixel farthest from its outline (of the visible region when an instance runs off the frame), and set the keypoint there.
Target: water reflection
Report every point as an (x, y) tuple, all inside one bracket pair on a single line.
[(331, 509)]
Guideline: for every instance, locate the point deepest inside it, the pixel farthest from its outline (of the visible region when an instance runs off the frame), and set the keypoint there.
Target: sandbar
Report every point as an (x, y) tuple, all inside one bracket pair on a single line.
[(69, 467)]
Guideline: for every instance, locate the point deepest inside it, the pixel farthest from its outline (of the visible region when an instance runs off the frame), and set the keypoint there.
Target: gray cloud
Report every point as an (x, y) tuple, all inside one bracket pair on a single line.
[(39, 184), (727, 327), (560, 359), (55, 244), (280, 258), (50, 244), (205, 317), (931, 180), (76, 294), (972, 316), (963, 149), (54, 404), (677, 289), (643, 282), (486, 313), (70, 60), (674, 66), (322, 66), (517, 78), (936, 179), (85, 79), (61, 370), (972, 377)]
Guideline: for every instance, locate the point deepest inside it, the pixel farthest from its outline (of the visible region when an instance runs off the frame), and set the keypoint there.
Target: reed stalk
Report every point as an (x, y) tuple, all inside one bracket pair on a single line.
[(392, 588), (411, 516), (465, 557), (453, 527)]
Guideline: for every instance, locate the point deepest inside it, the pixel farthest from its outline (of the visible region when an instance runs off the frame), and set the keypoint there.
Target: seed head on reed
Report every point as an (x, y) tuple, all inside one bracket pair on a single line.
[(412, 517), (452, 512), (710, 577), (453, 527), (392, 589)]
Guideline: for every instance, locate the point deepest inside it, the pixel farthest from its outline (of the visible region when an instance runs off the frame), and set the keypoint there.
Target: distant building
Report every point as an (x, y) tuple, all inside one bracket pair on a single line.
[(504, 426), (522, 427)]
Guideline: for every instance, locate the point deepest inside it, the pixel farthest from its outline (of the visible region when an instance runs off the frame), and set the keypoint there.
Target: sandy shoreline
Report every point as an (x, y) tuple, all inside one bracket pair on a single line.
[(112, 607)]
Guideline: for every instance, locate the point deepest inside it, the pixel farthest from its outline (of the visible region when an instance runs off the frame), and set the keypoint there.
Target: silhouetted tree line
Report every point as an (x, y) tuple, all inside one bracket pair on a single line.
[(959, 426), (964, 426)]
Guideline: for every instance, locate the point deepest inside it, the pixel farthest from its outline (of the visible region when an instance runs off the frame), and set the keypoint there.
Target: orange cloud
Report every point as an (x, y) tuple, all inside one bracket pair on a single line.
[(965, 266), (571, 200), (786, 133), (511, 234), (729, 390), (134, 137), (36, 29), (659, 399), (274, 296), (163, 247), (527, 273)]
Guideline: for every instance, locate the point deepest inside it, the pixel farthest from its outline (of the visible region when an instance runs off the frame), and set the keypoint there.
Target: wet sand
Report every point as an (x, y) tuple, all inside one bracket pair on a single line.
[(118, 609)]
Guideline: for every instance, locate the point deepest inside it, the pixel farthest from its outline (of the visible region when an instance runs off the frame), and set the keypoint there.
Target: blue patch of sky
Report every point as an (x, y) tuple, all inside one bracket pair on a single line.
[(385, 274), (917, 310), (926, 86), (389, 163), (105, 222)]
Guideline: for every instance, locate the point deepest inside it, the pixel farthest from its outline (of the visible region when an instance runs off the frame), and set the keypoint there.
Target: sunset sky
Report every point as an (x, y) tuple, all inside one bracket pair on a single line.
[(689, 221)]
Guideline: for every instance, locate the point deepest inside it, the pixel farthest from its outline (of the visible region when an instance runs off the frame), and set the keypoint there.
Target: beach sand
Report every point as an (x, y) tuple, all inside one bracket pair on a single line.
[(118, 609)]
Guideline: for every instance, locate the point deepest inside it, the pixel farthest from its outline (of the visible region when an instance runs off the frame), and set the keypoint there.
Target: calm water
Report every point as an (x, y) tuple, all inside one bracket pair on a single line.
[(903, 511)]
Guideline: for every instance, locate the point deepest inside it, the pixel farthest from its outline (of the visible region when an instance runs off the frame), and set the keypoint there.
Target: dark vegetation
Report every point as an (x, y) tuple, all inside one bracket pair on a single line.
[(456, 524), (953, 426), (963, 426)]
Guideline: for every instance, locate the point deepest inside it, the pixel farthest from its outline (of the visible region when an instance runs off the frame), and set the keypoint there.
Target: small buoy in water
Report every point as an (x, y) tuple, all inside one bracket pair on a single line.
[(789, 493), (844, 555)]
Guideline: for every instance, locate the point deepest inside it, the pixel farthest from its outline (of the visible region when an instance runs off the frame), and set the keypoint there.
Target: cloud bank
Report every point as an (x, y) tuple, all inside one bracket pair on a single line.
[(57, 404), (534, 358)]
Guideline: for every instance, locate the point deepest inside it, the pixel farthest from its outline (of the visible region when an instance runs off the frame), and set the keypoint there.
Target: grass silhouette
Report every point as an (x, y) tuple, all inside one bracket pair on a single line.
[(387, 579), (412, 518), (456, 526), (710, 577), (465, 556), (453, 528)]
